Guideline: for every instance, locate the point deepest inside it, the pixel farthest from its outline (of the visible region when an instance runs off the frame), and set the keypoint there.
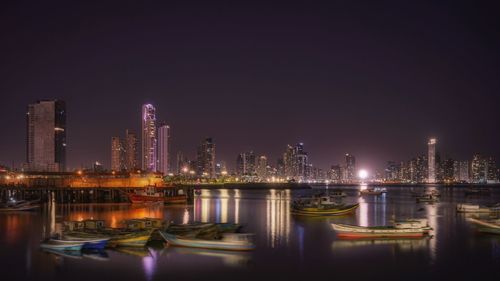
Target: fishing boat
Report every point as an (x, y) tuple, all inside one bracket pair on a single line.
[(487, 226), (62, 245), (90, 243), (150, 195), (336, 193), (429, 198), (19, 205), (321, 206), (373, 191), (414, 228), (228, 242), (473, 208)]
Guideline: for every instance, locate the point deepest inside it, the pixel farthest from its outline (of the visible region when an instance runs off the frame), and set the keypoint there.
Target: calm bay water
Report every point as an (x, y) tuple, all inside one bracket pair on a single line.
[(288, 246)]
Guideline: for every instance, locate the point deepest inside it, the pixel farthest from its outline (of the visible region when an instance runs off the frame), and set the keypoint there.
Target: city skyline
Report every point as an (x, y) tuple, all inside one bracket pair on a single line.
[(304, 79)]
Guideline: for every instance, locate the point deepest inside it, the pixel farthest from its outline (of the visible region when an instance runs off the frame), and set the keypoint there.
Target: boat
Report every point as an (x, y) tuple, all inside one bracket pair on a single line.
[(429, 198), (336, 193), (228, 242), (487, 226), (414, 228), (373, 191), (473, 208), (19, 205), (150, 195), (90, 242), (62, 245), (321, 206)]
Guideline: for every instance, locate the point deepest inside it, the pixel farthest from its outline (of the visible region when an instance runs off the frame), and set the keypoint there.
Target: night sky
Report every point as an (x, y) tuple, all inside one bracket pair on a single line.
[(375, 80)]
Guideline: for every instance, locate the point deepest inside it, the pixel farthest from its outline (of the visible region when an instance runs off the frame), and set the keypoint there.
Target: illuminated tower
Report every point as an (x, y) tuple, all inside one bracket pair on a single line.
[(46, 136), (431, 160), (148, 138), (163, 148)]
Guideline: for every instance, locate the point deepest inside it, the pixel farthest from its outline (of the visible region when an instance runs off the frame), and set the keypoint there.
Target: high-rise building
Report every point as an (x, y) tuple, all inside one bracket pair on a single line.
[(335, 174), (392, 171), (262, 167), (491, 171), (431, 167), (130, 151), (463, 171), (289, 162), (448, 167), (46, 136), (149, 138), (301, 163), (245, 164), (478, 169), (182, 163), (206, 158), (117, 154), (163, 148), (350, 166)]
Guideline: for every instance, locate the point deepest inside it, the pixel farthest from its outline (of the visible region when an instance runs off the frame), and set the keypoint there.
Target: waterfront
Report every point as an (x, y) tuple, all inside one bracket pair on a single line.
[(288, 246)]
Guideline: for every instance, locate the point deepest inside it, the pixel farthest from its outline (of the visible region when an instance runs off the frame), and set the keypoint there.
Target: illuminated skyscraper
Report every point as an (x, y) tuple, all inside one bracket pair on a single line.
[(301, 164), (262, 168), (478, 169), (117, 154), (163, 149), (205, 164), (350, 166), (431, 167), (130, 151), (149, 138), (245, 164), (46, 136)]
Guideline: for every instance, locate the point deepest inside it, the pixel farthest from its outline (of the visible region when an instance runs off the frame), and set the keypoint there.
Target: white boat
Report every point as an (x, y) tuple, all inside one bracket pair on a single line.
[(473, 208), (412, 228), (373, 191), (229, 242), (487, 226)]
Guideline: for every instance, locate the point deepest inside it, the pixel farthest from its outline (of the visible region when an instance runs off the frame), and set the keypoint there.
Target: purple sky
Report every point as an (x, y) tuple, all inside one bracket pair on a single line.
[(375, 80)]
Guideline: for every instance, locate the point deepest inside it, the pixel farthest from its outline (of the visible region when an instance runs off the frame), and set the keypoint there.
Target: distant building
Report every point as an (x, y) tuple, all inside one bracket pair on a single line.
[(262, 167), (245, 164), (431, 160), (335, 174), (46, 136), (478, 169), (392, 171), (463, 171), (350, 166), (117, 155), (182, 163), (448, 167), (491, 171), (130, 151), (164, 149), (206, 158), (289, 162), (149, 161), (301, 163)]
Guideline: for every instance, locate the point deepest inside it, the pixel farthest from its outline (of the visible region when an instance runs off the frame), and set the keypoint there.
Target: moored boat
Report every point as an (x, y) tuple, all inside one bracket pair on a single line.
[(474, 208), (19, 205), (228, 242), (487, 226), (373, 191), (150, 195), (319, 210), (62, 245), (415, 228)]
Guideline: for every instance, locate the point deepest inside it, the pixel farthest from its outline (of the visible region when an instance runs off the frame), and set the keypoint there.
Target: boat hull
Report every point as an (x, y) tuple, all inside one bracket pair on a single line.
[(358, 232), (325, 212), (177, 241), (141, 199)]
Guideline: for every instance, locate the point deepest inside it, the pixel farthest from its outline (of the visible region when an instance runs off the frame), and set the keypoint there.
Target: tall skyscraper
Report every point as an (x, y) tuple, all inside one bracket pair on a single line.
[(262, 167), (245, 164), (46, 136), (301, 164), (431, 167), (350, 165), (478, 169), (149, 138), (163, 148), (491, 170), (117, 153), (463, 171), (335, 174), (289, 162), (205, 164), (130, 151)]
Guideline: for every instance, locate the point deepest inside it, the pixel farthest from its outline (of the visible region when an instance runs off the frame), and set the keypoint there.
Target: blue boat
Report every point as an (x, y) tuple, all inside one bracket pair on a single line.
[(94, 244)]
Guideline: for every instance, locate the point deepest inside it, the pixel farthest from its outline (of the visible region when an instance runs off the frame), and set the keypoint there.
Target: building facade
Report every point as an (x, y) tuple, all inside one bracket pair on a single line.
[(46, 136), (163, 149), (205, 160), (350, 167), (117, 154), (149, 162), (431, 157), (130, 151)]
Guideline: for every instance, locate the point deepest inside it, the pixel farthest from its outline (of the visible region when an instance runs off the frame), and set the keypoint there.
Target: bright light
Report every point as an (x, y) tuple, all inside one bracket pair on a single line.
[(362, 174)]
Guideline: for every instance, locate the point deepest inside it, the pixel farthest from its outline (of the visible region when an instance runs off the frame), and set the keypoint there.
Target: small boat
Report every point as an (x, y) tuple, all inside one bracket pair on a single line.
[(336, 193), (473, 208), (414, 228), (150, 195), (19, 205), (429, 198), (322, 206), (228, 242), (91, 243), (373, 191), (62, 245), (487, 226)]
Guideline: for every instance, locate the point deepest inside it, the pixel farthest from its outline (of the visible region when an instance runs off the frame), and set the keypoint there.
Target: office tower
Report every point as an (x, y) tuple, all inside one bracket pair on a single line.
[(46, 136), (163, 149), (289, 162), (302, 170), (432, 160), (335, 174), (117, 154), (130, 151), (149, 138), (350, 166), (206, 158), (182, 163), (463, 171), (262, 167), (491, 170), (449, 167), (245, 164), (280, 168), (478, 169)]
